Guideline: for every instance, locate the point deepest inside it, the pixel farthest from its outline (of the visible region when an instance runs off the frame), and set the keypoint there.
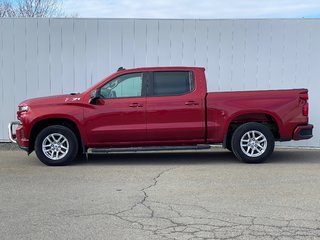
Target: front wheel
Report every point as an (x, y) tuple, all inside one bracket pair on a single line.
[(252, 142), (56, 145)]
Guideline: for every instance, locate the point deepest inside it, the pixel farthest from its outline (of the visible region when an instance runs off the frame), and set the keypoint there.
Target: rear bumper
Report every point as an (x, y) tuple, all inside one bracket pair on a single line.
[(16, 135), (303, 132)]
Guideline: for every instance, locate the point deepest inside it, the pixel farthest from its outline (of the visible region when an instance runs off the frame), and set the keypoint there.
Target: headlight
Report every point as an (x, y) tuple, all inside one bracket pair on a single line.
[(23, 108)]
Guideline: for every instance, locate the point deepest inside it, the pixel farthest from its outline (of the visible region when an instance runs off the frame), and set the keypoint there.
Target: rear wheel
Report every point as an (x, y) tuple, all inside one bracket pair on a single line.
[(252, 142), (56, 145)]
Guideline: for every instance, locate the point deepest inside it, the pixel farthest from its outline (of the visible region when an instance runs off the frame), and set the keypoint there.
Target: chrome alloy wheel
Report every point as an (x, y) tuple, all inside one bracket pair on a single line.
[(253, 143), (55, 146)]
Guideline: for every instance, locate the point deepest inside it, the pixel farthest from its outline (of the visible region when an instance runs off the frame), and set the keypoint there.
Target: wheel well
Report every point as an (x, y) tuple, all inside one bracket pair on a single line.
[(263, 118), (39, 126)]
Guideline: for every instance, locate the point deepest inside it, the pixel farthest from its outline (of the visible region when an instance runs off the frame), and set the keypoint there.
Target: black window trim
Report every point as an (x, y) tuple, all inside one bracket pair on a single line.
[(150, 79)]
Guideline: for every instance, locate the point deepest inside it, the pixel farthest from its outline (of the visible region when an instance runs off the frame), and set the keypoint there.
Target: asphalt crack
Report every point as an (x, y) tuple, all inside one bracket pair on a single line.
[(191, 221)]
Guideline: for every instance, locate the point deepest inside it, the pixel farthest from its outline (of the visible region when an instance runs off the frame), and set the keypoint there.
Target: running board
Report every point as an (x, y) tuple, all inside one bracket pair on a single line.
[(147, 149)]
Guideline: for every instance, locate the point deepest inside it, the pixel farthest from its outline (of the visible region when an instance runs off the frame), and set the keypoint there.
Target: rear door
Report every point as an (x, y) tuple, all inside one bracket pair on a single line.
[(174, 108)]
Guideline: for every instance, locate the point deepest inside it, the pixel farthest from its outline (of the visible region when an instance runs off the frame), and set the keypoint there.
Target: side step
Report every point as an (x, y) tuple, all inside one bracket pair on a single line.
[(147, 149)]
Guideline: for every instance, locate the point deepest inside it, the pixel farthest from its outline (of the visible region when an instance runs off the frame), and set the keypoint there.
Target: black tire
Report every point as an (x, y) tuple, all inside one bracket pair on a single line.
[(56, 152), (260, 142)]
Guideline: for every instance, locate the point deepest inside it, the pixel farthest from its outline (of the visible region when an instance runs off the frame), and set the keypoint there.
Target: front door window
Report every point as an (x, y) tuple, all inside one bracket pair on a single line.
[(124, 86)]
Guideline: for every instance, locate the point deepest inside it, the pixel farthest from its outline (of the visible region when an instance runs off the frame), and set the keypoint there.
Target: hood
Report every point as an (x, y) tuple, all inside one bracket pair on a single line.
[(57, 99)]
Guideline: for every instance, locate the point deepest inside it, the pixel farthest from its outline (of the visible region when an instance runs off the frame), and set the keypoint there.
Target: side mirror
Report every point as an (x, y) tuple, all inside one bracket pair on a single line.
[(95, 96)]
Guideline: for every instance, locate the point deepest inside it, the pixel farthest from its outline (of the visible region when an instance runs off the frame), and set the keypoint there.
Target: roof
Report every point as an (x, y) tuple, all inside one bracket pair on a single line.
[(177, 68)]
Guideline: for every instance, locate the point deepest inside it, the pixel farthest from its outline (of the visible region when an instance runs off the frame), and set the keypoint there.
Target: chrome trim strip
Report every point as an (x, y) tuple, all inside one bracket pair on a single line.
[(13, 137)]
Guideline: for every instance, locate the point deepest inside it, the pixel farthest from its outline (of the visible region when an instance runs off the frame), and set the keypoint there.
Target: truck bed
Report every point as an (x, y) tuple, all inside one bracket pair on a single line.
[(283, 107)]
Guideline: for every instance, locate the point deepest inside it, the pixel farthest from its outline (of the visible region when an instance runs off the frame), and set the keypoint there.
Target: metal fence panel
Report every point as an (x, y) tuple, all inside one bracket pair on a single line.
[(52, 56)]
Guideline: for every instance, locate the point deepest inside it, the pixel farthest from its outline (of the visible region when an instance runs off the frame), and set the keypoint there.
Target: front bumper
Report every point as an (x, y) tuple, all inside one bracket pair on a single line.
[(303, 132), (12, 134), (16, 135)]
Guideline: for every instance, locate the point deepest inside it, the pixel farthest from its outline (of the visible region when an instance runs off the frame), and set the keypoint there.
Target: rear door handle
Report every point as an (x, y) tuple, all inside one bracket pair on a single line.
[(136, 104), (190, 103)]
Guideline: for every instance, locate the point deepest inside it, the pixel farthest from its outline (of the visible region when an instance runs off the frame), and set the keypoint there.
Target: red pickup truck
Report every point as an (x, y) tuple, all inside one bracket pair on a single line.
[(160, 108)]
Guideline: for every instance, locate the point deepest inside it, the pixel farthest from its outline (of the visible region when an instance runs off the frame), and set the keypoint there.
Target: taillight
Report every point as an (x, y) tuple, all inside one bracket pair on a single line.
[(305, 108)]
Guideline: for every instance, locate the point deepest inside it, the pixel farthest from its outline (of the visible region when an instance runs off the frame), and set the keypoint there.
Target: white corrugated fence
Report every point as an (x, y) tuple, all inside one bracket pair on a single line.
[(52, 56)]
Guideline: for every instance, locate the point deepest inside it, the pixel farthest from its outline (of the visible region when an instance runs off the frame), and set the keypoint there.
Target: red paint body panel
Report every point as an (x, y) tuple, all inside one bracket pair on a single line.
[(114, 122), (178, 118), (283, 105), (21, 140), (165, 120)]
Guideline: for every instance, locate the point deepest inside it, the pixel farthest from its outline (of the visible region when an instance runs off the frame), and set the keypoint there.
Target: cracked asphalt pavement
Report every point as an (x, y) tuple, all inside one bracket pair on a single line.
[(203, 195)]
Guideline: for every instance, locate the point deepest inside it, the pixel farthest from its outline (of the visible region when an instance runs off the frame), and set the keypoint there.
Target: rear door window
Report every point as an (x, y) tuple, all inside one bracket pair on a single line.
[(169, 83)]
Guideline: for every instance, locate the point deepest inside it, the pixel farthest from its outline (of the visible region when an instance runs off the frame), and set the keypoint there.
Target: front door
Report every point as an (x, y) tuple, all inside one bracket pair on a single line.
[(118, 117)]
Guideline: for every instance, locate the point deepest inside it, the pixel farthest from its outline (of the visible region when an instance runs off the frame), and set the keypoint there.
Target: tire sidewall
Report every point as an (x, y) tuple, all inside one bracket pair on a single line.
[(66, 132), (236, 139)]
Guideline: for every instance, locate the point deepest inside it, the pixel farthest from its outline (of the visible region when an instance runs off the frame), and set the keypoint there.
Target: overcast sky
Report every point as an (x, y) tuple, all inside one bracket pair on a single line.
[(194, 8)]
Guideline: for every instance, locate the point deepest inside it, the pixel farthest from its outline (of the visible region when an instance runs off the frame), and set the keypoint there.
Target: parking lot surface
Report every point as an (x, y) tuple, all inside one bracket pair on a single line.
[(204, 195)]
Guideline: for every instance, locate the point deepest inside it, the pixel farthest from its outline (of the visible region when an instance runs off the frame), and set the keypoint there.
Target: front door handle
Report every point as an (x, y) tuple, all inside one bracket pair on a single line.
[(136, 104), (191, 103)]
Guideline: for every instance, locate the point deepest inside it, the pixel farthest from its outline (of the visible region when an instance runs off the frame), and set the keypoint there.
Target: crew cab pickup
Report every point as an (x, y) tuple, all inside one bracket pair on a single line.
[(159, 108)]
